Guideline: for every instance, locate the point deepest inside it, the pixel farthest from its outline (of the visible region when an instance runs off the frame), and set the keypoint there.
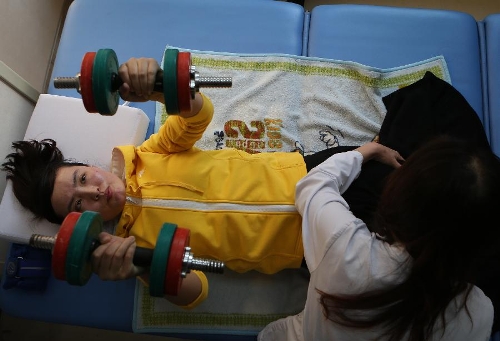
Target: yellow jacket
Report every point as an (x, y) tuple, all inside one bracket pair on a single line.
[(239, 207)]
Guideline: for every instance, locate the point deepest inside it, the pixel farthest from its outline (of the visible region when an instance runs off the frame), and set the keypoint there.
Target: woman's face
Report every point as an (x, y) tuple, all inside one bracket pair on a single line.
[(84, 188)]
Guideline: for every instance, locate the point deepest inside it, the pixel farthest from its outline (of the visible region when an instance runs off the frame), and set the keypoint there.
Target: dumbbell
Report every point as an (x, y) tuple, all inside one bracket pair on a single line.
[(169, 262), (98, 81)]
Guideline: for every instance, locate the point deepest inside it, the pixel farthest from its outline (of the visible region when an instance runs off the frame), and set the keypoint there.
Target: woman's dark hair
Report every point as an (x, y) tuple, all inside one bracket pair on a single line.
[(32, 169), (441, 204)]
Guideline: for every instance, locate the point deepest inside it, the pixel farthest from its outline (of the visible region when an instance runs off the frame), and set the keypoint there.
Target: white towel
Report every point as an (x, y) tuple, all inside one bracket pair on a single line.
[(286, 103), (237, 304)]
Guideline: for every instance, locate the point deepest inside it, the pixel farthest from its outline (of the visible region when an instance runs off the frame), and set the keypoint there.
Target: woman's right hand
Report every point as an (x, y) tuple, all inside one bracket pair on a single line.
[(113, 259)]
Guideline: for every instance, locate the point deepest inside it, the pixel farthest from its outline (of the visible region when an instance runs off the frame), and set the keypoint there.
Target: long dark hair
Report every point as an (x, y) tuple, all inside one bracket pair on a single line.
[(441, 204), (32, 168)]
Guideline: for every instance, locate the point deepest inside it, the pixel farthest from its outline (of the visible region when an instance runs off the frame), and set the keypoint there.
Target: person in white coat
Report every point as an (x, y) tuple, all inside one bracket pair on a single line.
[(412, 277)]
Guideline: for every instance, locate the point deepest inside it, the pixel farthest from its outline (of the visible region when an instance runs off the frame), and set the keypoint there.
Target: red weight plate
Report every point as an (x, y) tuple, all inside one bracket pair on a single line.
[(80, 247), (60, 249), (86, 82), (173, 277), (183, 79)]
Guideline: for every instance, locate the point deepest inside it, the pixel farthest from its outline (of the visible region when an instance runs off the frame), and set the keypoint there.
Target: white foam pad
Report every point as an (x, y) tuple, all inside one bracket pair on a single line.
[(81, 136)]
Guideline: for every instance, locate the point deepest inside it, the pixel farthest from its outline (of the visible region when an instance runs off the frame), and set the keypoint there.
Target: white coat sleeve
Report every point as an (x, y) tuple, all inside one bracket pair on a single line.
[(319, 200)]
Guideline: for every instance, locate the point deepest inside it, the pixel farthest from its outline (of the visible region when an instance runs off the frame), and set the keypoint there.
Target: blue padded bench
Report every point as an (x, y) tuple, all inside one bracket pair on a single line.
[(491, 51), (143, 28), (389, 36), (492, 62)]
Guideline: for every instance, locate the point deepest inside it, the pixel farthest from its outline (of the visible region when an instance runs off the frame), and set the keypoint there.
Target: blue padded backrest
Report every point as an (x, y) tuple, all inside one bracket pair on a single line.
[(133, 29), (387, 37), (492, 56)]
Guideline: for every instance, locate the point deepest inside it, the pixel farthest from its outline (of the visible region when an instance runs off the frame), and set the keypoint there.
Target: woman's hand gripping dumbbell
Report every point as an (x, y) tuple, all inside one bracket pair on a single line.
[(99, 81), (169, 262)]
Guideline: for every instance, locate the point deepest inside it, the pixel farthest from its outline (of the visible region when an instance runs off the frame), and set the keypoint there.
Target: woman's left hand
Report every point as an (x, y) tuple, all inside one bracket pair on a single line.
[(381, 153)]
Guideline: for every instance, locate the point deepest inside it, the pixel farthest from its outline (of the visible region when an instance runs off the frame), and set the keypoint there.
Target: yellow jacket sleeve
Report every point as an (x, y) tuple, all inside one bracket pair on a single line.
[(178, 134)]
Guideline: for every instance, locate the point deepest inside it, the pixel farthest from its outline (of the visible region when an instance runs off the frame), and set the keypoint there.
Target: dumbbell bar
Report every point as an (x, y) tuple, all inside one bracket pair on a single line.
[(169, 262), (98, 81)]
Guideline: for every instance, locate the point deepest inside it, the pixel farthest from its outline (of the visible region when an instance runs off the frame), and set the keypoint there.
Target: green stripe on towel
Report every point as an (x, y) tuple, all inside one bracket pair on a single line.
[(314, 70)]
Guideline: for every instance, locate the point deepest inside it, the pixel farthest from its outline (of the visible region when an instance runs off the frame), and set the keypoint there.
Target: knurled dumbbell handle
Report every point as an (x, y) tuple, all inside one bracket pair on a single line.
[(199, 82), (116, 82), (142, 255)]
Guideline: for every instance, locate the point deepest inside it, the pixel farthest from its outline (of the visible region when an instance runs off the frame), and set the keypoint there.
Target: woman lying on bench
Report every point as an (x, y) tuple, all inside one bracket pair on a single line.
[(239, 207)]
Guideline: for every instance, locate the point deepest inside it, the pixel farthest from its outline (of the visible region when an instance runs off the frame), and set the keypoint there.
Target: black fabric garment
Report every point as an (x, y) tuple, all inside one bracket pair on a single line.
[(315, 159), (416, 113), (425, 109)]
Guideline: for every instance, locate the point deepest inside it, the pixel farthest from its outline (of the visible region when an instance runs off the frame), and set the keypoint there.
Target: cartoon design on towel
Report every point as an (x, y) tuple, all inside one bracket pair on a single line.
[(219, 139), (299, 147), (329, 136), (265, 136), (256, 137)]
